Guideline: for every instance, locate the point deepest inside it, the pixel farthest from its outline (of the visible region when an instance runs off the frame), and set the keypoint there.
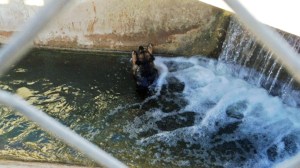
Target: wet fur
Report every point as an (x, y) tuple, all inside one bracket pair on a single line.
[(143, 68)]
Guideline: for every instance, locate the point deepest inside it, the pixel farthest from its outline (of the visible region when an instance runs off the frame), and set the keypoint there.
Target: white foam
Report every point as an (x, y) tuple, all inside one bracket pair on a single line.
[(162, 71), (210, 90)]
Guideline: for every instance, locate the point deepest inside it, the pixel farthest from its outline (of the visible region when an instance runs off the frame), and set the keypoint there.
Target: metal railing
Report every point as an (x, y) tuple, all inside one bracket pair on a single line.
[(285, 54), (22, 41), (11, 53)]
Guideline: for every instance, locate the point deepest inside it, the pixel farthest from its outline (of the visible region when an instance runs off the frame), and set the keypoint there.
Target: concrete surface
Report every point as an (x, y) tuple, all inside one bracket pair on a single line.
[(173, 26), (20, 164)]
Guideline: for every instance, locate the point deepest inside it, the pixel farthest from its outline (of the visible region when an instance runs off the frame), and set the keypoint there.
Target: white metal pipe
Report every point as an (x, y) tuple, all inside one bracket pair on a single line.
[(60, 131), (21, 41), (11, 53), (285, 54), (290, 163)]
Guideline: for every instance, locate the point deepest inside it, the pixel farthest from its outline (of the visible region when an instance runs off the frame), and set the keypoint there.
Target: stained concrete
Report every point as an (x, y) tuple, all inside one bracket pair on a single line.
[(20, 164), (174, 26)]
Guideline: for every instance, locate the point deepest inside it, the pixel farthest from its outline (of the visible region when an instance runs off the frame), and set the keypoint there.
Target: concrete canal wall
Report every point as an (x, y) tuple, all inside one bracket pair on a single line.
[(173, 26)]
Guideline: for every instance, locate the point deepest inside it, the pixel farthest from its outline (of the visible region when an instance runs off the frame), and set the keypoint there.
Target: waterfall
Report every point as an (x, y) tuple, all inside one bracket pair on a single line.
[(255, 64)]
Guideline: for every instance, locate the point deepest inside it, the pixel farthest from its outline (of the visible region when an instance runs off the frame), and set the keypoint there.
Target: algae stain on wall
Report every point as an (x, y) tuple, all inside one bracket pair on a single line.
[(174, 26)]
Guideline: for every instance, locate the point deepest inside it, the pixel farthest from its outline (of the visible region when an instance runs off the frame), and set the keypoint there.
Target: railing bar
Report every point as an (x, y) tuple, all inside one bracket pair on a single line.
[(285, 54), (60, 131), (22, 41), (12, 52)]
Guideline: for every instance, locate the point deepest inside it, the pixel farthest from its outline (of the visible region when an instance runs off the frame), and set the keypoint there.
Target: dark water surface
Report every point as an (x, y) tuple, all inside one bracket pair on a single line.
[(199, 116), (78, 89)]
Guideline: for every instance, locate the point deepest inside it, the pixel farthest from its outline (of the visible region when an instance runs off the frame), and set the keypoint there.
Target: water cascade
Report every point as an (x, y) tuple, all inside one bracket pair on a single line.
[(250, 61)]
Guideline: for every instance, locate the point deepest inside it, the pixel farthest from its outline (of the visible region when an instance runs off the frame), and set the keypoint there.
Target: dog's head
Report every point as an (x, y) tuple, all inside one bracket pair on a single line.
[(144, 54)]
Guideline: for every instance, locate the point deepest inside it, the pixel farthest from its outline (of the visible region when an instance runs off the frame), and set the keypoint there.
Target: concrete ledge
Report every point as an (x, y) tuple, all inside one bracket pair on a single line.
[(20, 164)]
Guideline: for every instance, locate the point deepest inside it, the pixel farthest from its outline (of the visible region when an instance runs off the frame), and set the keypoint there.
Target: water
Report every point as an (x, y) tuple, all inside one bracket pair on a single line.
[(78, 89), (249, 60), (201, 115)]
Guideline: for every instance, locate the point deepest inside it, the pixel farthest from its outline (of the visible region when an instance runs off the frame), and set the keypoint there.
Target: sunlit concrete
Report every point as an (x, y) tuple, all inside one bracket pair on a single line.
[(174, 26), (280, 14), (3, 2), (34, 2), (20, 164)]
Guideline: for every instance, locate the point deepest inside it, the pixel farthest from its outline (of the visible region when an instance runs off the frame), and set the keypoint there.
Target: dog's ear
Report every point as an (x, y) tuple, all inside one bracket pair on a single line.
[(150, 48), (133, 57), (141, 49), (134, 53)]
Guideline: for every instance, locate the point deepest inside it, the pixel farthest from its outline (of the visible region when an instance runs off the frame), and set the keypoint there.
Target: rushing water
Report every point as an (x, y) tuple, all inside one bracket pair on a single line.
[(201, 114), (255, 64)]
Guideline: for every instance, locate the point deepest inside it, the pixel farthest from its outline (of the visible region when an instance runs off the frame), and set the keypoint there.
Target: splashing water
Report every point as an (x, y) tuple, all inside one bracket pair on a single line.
[(221, 120), (240, 48), (201, 115)]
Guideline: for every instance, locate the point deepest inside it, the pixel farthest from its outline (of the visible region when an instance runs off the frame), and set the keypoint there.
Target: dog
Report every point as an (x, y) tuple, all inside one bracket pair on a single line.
[(143, 67)]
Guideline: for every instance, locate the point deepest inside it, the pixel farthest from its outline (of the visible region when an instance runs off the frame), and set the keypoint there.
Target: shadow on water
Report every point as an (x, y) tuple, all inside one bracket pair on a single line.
[(200, 116), (76, 88)]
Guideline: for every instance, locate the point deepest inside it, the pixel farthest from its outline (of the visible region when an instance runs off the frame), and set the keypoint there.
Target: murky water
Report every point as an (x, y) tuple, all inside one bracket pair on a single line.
[(78, 89), (199, 116)]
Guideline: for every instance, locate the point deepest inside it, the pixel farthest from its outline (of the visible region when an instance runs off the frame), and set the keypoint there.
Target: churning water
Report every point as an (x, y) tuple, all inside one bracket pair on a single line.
[(255, 64), (201, 114)]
